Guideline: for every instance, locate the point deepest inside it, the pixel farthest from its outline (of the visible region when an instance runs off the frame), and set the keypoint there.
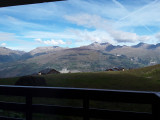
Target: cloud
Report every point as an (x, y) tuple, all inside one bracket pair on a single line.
[(21, 48), (157, 36), (75, 37), (20, 25), (7, 36), (48, 35), (125, 37), (119, 14), (51, 42), (104, 27), (119, 4), (91, 36), (3, 44), (113, 21), (105, 8), (54, 42), (36, 11), (112, 37), (147, 15), (125, 14), (13, 38), (90, 21), (39, 40)]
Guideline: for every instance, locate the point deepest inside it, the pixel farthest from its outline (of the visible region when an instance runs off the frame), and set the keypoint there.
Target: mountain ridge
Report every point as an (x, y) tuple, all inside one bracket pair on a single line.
[(94, 45), (89, 58)]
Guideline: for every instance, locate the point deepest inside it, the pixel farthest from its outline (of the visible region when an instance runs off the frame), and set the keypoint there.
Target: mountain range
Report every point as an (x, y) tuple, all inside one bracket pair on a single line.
[(93, 57)]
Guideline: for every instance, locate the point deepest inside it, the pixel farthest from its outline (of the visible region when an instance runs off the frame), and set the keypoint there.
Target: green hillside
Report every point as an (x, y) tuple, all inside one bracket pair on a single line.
[(147, 79)]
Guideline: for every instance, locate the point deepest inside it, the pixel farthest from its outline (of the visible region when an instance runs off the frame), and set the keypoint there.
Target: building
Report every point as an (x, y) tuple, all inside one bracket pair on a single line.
[(48, 71), (115, 69)]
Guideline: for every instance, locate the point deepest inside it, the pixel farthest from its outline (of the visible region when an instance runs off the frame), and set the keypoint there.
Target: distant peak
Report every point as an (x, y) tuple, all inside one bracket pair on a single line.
[(48, 47), (94, 43), (55, 46), (105, 43), (139, 45), (97, 43), (3, 47), (158, 44)]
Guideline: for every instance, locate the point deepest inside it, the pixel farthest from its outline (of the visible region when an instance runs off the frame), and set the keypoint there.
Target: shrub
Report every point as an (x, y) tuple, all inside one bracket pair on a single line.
[(31, 81)]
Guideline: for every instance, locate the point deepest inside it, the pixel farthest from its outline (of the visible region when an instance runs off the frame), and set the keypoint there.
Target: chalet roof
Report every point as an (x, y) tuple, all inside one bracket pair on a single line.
[(48, 71), (115, 69), (6, 3)]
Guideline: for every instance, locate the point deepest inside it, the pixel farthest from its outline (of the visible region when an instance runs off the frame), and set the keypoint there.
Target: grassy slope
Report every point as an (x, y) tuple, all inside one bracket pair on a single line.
[(146, 79), (105, 80)]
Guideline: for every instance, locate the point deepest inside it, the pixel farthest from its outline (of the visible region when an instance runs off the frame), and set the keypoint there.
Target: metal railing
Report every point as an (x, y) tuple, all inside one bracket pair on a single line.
[(86, 95)]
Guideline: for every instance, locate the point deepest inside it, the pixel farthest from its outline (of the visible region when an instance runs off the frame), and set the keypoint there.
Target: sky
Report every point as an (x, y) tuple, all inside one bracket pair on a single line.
[(75, 23)]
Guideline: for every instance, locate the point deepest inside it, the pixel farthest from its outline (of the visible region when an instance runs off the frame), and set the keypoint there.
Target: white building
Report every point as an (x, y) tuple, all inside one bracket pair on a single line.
[(64, 70)]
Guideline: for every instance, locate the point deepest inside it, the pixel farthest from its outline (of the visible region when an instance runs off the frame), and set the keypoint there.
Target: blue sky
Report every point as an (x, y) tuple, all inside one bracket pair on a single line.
[(75, 23)]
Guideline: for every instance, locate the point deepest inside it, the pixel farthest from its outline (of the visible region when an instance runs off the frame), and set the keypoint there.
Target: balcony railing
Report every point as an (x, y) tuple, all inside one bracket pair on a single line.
[(86, 95)]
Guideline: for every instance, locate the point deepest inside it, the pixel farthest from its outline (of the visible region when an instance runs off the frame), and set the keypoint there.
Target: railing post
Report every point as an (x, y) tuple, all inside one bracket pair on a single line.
[(156, 109), (28, 107), (86, 107)]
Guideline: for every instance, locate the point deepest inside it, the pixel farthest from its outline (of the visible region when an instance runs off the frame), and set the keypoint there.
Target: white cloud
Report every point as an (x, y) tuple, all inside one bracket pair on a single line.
[(51, 42), (123, 15), (108, 20), (125, 37), (144, 15), (54, 42), (90, 21), (92, 36), (39, 40), (3, 44), (106, 30), (21, 48)]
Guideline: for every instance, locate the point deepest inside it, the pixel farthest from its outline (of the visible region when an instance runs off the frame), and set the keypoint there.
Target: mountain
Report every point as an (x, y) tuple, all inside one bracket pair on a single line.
[(141, 45), (7, 51), (8, 55), (142, 53), (101, 46), (146, 46), (84, 60), (45, 50), (147, 54), (89, 58), (41, 51)]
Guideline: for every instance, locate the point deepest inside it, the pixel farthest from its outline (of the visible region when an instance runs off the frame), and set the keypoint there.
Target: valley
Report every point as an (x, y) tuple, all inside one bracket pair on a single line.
[(91, 58)]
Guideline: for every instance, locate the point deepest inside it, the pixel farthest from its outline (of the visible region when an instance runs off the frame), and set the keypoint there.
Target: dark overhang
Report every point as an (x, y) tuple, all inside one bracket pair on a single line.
[(6, 3)]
